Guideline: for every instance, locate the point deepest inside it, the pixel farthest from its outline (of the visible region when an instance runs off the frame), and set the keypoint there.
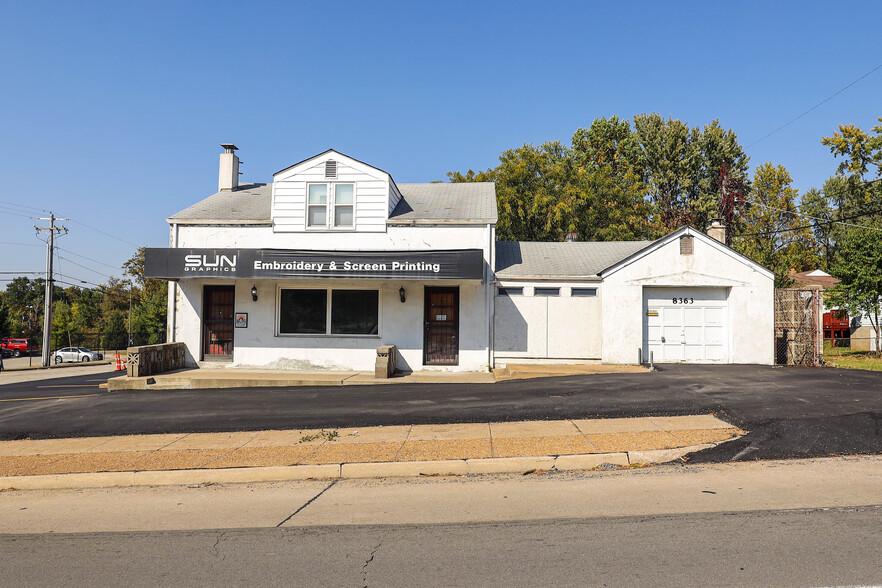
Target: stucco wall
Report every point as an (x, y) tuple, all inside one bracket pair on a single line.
[(750, 312), (401, 324), (547, 327)]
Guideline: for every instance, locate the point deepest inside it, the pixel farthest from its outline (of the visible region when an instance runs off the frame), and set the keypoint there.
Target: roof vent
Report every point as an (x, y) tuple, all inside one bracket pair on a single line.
[(331, 169), (687, 245)]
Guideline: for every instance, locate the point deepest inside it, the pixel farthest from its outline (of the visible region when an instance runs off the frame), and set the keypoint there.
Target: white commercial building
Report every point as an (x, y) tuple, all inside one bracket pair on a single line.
[(333, 259)]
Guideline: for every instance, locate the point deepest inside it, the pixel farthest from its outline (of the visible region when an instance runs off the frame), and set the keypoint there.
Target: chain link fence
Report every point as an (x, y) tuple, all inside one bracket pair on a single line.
[(798, 327)]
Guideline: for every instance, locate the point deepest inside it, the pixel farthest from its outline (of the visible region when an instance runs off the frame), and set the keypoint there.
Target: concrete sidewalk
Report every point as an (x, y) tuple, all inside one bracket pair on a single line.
[(417, 450), (227, 377)]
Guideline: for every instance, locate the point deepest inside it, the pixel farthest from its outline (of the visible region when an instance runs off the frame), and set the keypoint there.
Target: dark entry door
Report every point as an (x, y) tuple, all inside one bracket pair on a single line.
[(441, 345), (217, 322)]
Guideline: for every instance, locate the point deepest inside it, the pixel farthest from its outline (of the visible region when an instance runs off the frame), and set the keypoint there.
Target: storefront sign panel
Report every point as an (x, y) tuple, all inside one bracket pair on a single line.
[(175, 263)]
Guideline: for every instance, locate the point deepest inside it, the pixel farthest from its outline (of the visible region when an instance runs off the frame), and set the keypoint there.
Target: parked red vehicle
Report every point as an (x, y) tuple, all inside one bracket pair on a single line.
[(19, 347)]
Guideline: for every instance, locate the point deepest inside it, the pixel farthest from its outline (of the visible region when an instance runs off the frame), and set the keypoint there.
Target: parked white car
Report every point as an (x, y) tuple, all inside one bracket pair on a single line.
[(76, 354)]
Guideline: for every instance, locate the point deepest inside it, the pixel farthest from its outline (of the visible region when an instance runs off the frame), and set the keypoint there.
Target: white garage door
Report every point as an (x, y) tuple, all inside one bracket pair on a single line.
[(685, 324)]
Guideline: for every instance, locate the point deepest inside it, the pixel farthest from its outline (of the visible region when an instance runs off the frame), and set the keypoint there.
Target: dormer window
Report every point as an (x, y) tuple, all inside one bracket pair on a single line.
[(331, 206)]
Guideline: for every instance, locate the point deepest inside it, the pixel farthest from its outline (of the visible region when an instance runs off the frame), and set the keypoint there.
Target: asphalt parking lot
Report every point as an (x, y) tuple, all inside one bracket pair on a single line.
[(789, 412)]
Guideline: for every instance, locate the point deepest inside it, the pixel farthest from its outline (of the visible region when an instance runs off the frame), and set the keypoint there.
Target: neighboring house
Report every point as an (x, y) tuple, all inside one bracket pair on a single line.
[(333, 259), (836, 323)]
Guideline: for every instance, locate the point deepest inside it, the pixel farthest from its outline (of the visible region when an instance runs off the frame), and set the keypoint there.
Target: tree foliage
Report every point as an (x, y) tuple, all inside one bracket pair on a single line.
[(859, 270), (779, 238)]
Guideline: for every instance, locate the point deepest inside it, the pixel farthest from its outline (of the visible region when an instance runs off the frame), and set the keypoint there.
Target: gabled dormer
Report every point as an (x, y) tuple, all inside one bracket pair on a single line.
[(332, 192)]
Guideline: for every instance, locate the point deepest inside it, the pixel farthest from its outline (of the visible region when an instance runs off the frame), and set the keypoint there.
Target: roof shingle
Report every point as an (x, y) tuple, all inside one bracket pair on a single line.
[(580, 258)]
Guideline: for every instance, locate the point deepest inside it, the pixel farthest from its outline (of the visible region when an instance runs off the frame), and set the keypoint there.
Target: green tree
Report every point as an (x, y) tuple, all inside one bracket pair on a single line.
[(859, 270), (862, 151), (682, 165), (776, 236), (612, 204), (115, 332), (64, 331), (535, 191)]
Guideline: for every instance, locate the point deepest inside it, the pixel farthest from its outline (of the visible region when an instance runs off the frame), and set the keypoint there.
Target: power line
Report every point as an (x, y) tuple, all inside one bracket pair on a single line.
[(113, 267), (816, 106), (17, 213), (105, 233), (21, 244), (814, 225), (84, 267), (23, 206)]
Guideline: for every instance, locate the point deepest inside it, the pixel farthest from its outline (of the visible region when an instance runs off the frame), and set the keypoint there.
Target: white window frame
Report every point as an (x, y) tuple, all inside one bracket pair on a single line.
[(330, 206), (328, 310)]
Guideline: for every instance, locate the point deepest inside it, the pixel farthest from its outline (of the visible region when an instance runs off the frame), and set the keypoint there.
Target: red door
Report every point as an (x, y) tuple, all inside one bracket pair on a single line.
[(217, 322), (441, 345)]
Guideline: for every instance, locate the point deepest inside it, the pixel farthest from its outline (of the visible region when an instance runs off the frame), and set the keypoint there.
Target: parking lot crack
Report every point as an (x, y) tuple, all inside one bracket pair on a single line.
[(364, 568)]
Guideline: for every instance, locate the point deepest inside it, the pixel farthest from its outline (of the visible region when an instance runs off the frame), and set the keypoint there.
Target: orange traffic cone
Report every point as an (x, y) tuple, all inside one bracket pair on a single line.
[(119, 366)]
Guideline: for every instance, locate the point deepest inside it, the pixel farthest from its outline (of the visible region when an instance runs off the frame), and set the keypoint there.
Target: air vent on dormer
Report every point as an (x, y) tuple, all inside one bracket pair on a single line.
[(687, 245), (330, 169)]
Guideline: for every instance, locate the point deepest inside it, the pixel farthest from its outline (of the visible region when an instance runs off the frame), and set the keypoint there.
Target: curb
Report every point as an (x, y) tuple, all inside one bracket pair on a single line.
[(404, 469)]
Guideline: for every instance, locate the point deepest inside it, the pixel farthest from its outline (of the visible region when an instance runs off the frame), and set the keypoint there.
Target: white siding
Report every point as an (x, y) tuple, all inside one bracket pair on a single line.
[(372, 194)]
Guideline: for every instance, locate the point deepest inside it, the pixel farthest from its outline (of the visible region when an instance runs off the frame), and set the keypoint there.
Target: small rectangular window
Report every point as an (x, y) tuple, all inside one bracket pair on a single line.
[(510, 292), (317, 205), (303, 312), (584, 291), (546, 292), (344, 204)]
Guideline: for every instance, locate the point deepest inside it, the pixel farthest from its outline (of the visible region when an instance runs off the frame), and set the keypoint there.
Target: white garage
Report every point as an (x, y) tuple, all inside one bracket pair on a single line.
[(685, 298), (685, 324)]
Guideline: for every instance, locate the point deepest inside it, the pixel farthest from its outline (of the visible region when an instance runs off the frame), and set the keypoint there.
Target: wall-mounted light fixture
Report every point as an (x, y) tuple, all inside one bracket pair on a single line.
[(254, 293), (401, 293)]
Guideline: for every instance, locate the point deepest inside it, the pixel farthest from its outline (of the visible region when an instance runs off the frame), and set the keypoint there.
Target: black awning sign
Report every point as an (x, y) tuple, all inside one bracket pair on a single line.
[(176, 263)]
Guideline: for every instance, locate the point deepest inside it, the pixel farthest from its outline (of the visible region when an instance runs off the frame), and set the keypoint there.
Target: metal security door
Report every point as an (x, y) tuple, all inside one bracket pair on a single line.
[(441, 344), (217, 323)]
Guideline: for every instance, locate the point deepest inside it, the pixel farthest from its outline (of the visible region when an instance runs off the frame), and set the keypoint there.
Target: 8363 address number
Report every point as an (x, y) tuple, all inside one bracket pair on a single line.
[(683, 300)]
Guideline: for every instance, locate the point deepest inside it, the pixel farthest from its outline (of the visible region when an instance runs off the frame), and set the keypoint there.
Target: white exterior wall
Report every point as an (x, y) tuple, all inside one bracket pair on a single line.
[(401, 324), (750, 315), (563, 327), (374, 194)]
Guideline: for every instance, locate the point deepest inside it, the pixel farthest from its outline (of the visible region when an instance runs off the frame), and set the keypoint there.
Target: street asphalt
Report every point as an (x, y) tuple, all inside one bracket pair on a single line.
[(789, 412)]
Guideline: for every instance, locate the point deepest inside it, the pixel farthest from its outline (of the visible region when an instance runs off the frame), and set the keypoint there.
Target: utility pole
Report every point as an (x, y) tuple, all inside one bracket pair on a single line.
[(47, 311)]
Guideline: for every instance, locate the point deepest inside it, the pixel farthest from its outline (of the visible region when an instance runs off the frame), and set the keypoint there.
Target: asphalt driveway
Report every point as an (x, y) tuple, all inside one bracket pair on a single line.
[(789, 412)]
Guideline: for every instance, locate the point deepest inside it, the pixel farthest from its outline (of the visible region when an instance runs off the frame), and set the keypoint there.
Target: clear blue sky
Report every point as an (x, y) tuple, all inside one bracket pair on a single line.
[(112, 112)]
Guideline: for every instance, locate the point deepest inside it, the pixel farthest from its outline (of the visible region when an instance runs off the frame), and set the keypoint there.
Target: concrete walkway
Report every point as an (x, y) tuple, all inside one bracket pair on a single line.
[(227, 377), (416, 450)]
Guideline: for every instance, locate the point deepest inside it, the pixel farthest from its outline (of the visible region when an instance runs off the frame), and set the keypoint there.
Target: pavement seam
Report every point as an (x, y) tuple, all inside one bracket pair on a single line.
[(406, 437), (490, 433), (308, 502)]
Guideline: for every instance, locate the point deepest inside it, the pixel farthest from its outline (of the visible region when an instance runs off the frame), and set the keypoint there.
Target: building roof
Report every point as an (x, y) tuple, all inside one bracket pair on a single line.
[(473, 202), (813, 279), (588, 258), (250, 203)]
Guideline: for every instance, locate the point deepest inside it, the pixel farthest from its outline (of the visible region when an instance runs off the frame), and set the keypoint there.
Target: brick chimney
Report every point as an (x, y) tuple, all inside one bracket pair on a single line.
[(228, 175), (717, 230)]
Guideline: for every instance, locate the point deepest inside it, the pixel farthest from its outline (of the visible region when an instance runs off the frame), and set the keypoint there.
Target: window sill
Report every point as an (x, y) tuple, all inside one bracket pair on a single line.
[(325, 336)]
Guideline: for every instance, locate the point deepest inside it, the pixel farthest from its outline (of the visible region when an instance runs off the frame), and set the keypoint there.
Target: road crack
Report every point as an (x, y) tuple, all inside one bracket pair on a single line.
[(216, 548), (364, 568)]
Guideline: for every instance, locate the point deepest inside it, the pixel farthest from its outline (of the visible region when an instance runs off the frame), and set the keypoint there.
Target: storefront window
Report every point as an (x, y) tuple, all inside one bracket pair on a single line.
[(355, 312), (303, 312), (351, 312)]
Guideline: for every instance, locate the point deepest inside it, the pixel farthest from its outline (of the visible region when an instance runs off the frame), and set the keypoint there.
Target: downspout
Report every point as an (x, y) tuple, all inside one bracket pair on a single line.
[(173, 293), (491, 294)]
